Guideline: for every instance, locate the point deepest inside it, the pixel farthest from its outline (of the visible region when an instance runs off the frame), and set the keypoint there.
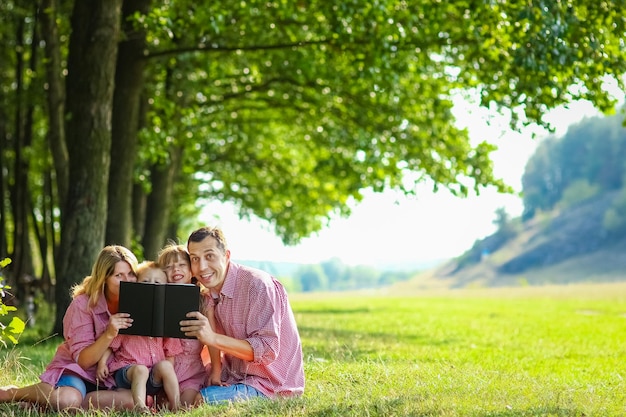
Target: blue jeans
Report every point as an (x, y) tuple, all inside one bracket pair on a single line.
[(122, 381), (74, 381), (216, 394)]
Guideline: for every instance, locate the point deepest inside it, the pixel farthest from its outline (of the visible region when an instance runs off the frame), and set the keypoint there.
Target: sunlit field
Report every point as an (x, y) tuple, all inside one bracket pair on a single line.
[(532, 351)]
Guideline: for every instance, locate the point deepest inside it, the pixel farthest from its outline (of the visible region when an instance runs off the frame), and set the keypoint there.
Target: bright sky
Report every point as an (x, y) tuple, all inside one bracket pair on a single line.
[(391, 228)]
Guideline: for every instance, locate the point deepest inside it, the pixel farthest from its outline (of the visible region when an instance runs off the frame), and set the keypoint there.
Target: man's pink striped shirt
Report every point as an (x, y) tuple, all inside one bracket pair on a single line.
[(254, 306)]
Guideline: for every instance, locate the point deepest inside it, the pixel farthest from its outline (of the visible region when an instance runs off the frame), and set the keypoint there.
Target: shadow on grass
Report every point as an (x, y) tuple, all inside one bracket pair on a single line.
[(405, 405), (362, 344), (326, 311), (409, 405), (534, 411)]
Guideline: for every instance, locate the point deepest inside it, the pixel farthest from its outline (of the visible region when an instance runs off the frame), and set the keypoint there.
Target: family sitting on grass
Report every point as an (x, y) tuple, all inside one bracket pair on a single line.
[(246, 323)]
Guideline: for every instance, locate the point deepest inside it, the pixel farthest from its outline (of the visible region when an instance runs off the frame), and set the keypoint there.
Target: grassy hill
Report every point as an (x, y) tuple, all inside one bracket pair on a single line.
[(565, 246)]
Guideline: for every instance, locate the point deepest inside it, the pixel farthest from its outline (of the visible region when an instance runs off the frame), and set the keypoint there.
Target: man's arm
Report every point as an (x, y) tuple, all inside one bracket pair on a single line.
[(199, 326)]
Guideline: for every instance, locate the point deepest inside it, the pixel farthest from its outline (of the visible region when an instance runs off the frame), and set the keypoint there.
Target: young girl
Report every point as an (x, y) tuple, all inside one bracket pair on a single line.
[(142, 363), (192, 375)]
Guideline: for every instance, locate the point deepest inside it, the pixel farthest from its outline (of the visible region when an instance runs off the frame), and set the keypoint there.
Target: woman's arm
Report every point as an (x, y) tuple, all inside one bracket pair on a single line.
[(90, 355)]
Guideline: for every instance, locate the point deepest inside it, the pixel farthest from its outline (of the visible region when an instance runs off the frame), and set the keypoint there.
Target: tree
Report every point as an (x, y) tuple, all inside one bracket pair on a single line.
[(542, 180), (125, 124), (587, 160), (90, 83), (289, 110), (312, 278)]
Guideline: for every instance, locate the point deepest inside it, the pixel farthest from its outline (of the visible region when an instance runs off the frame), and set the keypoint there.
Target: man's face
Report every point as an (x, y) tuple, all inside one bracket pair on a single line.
[(208, 263)]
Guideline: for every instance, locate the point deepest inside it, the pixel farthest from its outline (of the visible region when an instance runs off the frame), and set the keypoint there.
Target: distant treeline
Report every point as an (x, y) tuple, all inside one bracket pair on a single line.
[(587, 164), (331, 275), (587, 161)]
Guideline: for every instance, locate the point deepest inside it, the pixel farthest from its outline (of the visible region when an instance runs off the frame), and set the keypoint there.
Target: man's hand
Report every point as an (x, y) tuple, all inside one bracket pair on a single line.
[(198, 326)]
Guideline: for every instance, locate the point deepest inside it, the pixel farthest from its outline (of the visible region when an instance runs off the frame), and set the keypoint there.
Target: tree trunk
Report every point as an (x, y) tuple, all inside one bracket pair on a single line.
[(129, 82), (21, 264), (56, 134), (90, 83), (26, 274), (158, 205), (56, 99), (4, 194), (49, 232)]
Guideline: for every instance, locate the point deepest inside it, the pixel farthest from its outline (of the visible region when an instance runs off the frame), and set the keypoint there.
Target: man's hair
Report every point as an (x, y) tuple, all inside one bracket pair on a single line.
[(215, 232)]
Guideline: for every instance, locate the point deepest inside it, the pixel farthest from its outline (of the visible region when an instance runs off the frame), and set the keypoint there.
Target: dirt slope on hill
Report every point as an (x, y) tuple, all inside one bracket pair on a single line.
[(567, 246)]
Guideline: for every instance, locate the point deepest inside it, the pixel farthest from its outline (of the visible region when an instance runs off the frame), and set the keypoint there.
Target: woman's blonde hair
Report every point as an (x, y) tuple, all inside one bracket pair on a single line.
[(93, 285)]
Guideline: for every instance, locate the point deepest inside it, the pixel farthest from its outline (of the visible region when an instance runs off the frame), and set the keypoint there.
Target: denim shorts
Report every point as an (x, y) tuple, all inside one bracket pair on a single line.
[(74, 381), (238, 392), (121, 381)]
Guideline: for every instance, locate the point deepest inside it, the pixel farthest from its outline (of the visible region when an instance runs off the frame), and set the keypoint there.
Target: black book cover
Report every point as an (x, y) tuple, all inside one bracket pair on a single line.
[(157, 309)]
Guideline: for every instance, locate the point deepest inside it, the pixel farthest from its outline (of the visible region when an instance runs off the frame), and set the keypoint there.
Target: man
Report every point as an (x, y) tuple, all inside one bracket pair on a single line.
[(255, 326)]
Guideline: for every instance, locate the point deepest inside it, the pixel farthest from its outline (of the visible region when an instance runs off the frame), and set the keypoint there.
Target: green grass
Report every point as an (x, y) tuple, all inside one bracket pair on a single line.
[(534, 351)]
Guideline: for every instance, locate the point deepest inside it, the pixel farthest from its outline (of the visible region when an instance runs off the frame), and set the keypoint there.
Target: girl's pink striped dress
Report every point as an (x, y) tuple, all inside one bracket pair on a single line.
[(189, 367)]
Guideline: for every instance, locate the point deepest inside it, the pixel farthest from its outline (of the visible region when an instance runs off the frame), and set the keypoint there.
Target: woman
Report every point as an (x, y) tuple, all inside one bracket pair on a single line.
[(89, 325)]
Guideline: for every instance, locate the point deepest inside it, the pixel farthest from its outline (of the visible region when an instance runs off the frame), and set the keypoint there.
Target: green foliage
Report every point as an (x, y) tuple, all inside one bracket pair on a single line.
[(507, 229), (614, 221), (15, 327), (506, 226), (577, 192), (508, 352), (587, 160), (312, 278), (334, 275), (288, 110)]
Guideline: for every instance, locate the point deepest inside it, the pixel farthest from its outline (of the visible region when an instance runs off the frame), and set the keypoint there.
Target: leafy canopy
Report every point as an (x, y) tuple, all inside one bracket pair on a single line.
[(291, 109)]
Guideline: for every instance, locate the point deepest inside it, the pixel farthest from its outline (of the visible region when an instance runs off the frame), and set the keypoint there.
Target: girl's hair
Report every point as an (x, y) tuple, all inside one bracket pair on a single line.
[(215, 232), (172, 253), (93, 285)]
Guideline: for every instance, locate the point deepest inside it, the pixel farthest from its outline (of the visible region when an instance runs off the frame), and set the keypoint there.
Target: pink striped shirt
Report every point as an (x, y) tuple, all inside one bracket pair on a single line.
[(142, 350), (81, 327), (254, 306), (189, 366)]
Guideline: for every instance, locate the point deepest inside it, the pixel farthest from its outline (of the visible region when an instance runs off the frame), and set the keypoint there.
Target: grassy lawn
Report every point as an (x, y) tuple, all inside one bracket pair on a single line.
[(532, 351)]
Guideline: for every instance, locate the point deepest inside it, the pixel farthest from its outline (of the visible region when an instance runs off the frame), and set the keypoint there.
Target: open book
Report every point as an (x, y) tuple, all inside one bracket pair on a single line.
[(157, 309)]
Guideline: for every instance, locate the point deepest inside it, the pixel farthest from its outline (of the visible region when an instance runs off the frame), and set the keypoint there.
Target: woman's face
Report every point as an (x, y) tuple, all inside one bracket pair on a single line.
[(122, 272), (178, 272)]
